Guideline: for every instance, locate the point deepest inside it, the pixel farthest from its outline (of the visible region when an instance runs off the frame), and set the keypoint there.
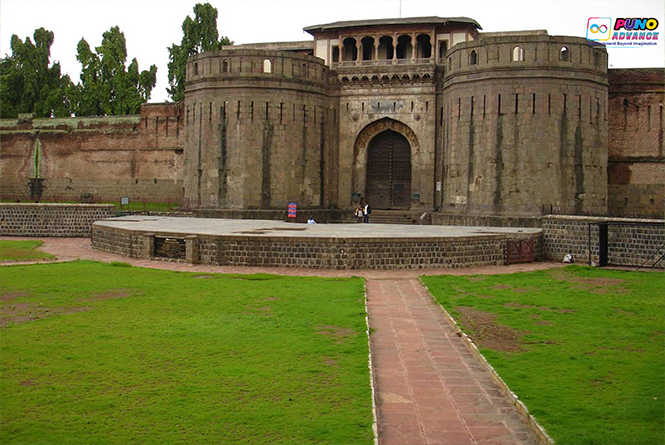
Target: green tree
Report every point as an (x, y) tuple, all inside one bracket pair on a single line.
[(107, 86), (29, 83), (199, 34)]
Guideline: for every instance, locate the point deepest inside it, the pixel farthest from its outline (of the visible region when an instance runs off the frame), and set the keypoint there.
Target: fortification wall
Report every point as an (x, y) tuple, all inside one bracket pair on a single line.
[(101, 159), (262, 130), (636, 166), (524, 126)]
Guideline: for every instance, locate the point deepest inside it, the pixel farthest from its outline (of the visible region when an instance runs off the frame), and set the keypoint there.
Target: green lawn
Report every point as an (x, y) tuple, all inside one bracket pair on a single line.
[(97, 354), (22, 251), (583, 348)]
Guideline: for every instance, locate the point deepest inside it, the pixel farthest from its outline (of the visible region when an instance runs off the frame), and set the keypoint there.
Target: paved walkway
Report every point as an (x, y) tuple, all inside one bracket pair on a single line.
[(429, 387)]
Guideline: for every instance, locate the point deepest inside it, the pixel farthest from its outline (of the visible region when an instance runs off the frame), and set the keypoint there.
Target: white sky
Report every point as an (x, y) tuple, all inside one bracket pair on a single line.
[(150, 26)]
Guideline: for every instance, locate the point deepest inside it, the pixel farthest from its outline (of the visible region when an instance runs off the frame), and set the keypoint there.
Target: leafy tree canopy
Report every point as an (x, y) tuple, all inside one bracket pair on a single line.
[(29, 83), (199, 34), (107, 86)]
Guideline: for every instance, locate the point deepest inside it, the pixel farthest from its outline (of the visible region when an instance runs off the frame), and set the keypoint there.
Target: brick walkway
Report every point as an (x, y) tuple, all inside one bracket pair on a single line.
[(429, 387)]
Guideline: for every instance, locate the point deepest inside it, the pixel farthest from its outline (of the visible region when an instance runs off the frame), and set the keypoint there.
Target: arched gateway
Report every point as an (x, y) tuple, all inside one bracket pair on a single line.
[(382, 172), (389, 171)]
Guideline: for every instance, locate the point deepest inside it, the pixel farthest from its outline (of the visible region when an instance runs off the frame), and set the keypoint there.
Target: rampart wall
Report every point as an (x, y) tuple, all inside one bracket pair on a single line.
[(524, 125), (262, 130), (636, 148), (94, 159)]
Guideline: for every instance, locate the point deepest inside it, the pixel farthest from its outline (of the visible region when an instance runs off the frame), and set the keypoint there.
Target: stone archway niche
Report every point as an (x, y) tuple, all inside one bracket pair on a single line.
[(383, 163)]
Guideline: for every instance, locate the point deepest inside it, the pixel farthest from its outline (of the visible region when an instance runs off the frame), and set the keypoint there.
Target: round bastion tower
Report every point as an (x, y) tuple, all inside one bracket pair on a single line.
[(261, 130), (525, 126)]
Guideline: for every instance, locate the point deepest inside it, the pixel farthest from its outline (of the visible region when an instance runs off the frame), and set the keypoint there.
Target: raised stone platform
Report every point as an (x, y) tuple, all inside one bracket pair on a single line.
[(327, 246)]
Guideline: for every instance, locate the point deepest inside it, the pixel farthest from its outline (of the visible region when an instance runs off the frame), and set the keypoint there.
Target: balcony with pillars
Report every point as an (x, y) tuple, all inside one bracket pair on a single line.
[(363, 54)]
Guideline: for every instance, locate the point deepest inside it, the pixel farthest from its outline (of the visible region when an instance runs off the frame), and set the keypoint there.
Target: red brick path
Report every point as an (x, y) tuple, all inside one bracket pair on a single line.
[(429, 387)]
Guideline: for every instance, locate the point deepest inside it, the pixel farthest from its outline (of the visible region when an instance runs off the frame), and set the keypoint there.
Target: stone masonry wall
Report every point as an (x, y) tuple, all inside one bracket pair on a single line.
[(323, 253), (636, 170), (261, 131), (99, 159), (638, 242), (58, 220), (524, 126)]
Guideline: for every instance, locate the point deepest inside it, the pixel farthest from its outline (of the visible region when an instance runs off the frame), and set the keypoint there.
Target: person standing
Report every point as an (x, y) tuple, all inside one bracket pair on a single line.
[(366, 211), (360, 213)]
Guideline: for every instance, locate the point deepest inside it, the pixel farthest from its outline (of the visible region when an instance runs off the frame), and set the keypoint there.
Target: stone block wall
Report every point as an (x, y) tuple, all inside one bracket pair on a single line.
[(121, 242), (262, 130), (524, 126), (632, 242), (443, 219), (320, 253), (57, 220)]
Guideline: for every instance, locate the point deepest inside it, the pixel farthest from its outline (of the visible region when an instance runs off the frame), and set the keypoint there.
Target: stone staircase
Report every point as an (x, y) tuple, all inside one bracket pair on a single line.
[(398, 217)]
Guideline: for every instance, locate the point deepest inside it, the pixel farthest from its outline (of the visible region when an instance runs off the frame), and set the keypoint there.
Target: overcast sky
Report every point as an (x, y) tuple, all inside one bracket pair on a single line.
[(150, 26)]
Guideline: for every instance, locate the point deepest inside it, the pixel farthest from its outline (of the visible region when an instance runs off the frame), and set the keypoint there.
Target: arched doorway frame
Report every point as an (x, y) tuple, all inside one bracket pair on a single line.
[(362, 144)]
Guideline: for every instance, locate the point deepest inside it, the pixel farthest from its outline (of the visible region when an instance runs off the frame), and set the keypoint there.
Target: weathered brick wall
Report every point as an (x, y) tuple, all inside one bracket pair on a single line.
[(636, 148), (105, 158), (638, 242), (522, 134), (61, 220)]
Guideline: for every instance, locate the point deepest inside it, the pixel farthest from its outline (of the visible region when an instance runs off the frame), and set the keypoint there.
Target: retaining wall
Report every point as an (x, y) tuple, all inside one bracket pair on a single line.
[(318, 253), (59, 220)]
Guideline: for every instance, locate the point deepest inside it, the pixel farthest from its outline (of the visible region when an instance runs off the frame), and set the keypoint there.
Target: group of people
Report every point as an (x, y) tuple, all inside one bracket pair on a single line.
[(363, 212)]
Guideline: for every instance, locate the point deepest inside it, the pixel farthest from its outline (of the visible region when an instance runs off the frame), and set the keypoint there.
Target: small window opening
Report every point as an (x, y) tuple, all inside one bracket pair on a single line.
[(267, 66), (564, 54), (518, 54), (473, 58)]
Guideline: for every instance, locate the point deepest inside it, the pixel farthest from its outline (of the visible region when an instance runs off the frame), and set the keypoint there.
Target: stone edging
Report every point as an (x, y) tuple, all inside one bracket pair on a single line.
[(375, 414), (533, 424)]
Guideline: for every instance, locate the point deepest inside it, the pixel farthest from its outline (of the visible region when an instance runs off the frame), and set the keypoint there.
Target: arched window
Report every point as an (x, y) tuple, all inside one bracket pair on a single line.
[(350, 51), (267, 66), (196, 68), (518, 54), (564, 54), (404, 47), (473, 58), (386, 49), (596, 58), (335, 54), (423, 46), (368, 48), (303, 71), (226, 66)]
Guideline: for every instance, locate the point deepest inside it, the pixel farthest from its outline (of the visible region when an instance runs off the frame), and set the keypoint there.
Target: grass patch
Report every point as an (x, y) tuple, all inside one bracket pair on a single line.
[(583, 348), (22, 251), (93, 353)]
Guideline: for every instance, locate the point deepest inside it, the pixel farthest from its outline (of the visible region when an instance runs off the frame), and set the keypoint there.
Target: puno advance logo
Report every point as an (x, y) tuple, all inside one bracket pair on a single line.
[(625, 32)]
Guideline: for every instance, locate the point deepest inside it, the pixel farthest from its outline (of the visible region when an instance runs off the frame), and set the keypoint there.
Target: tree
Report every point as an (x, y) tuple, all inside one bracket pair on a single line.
[(199, 34), (28, 81), (107, 87)]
